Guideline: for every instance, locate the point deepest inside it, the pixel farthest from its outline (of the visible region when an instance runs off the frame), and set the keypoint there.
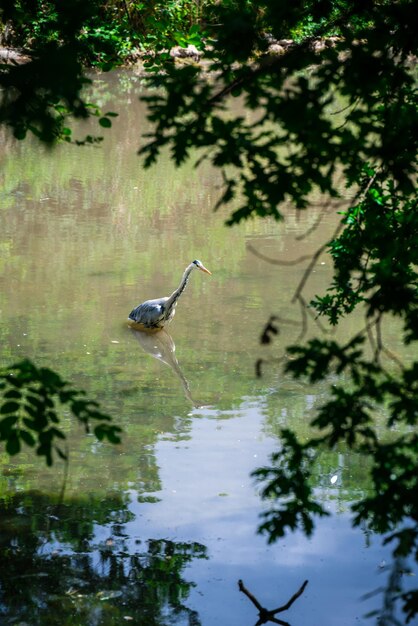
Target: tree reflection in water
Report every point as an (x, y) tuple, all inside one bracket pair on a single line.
[(74, 564)]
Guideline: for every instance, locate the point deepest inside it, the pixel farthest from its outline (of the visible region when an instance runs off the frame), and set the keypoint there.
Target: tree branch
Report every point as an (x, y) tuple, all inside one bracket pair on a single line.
[(270, 616)]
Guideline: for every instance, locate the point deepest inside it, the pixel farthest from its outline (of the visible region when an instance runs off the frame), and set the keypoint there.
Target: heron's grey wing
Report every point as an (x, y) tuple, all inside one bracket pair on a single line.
[(148, 313)]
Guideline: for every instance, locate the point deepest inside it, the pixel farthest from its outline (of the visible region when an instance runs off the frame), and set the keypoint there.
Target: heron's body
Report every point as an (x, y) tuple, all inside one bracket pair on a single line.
[(153, 315)]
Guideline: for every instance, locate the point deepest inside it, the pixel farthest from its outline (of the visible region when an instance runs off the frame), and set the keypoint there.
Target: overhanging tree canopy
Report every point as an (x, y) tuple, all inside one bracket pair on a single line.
[(338, 102), (333, 89)]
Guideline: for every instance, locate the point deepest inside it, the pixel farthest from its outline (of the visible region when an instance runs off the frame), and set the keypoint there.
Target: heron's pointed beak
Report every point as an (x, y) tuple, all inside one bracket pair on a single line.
[(204, 269)]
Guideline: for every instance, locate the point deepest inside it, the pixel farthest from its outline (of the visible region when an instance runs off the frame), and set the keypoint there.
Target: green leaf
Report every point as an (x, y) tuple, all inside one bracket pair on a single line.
[(13, 393), (7, 425), (105, 122), (9, 407), (61, 453), (27, 437), (50, 378), (55, 432), (13, 444), (20, 133)]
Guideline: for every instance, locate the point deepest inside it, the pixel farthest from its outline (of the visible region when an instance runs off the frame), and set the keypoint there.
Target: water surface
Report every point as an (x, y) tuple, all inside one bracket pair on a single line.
[(159, 529)]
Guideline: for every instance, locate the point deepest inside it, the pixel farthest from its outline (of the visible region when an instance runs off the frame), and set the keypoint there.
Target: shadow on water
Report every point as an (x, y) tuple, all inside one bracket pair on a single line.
[(162, 347), (74, 563)]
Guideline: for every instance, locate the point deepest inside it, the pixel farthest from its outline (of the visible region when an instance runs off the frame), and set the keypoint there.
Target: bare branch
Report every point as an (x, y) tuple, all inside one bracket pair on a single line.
[(331, 204), (314, 258), (304, 314), (263, 257), (249, 595), (350, 104), (315, 225), (372, 341), (288, 604), (379, 343), (317, 254), (347, 119), (270, 616)]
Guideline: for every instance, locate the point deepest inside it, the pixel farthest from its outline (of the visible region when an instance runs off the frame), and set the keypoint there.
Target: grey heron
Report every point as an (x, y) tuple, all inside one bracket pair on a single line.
[(152, 315)]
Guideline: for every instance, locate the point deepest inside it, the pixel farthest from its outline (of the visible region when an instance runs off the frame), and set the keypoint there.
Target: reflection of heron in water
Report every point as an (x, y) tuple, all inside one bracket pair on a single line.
[(162, 347), (153, 315)]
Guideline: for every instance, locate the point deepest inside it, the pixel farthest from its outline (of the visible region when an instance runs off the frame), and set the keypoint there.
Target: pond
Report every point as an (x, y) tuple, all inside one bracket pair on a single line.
[(159, 529)]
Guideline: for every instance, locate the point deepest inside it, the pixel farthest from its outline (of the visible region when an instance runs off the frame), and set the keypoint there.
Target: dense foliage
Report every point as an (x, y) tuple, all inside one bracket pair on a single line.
[(331, 87), (59, 39), (33, 400), (337, 103)]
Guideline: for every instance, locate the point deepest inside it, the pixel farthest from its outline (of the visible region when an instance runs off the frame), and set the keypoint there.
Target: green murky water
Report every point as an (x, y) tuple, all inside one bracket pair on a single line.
[(159, 529)]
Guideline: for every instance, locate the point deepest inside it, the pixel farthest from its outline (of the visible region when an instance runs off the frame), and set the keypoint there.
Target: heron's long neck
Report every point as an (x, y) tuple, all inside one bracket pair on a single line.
[(172, 300)]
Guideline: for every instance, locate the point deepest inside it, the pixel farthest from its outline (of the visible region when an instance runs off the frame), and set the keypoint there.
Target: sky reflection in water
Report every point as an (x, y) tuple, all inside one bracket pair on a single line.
[(200, 501), (85, 236)]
